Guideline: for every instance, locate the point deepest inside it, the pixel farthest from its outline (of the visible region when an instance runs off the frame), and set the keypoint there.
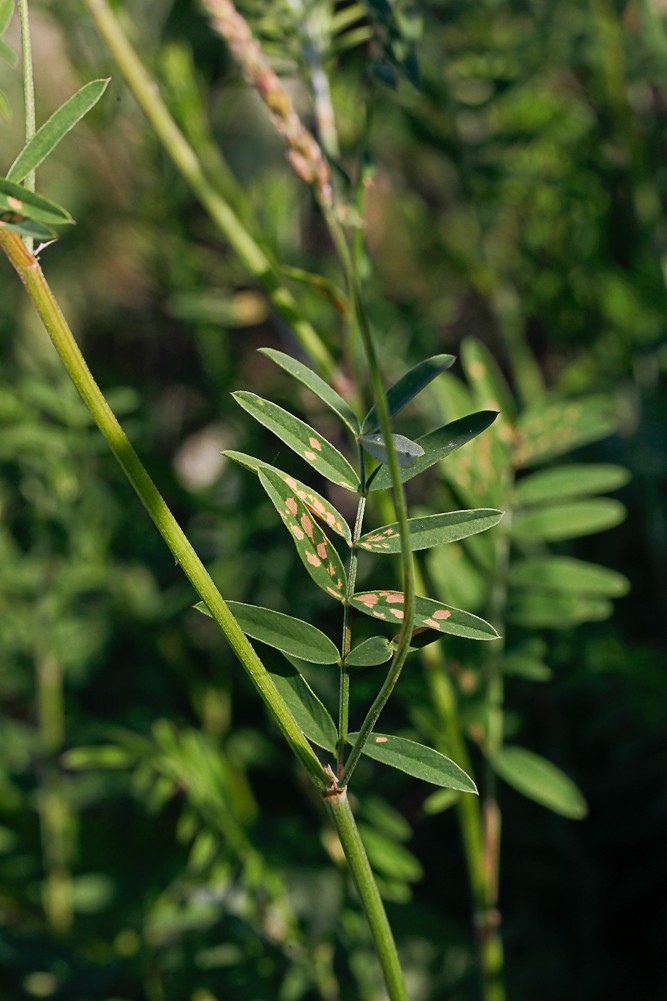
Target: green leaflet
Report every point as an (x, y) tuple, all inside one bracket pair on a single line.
[(315, 550), (547, 610), (306, 708), (429, 614), (7, 55), (407, 387), (389, 858), (416, 759), (105, 756), (440, 801), (539, 780), (282, 632), (18, 201), (567, 521), (438, 445), (29, 228), (522, 665), (316, 385), (573, 480), (433, 530), (304, 440), (407, 451), (551, 429), (315, 502), (489, 384), (376, 650), (55, 128), (563, 573)]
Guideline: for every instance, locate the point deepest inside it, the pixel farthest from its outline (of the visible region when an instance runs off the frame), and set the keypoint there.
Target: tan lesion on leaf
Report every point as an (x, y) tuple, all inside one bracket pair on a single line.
[(322, 550), (314, 443), (292, 506), (314, 560), (307, 525), (381, 740)]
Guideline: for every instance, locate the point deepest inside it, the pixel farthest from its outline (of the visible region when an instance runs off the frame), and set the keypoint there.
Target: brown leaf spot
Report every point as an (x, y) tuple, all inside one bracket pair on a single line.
[(309, 455), (381, 740), (395, 598), (442, 613), (322, 551), (331, 591), (432, 623), (296, 531), (331, 570), (398, 612), (314, 443), (292, 506), (313, 560), (307, 525), (368, 599), (14, 203)]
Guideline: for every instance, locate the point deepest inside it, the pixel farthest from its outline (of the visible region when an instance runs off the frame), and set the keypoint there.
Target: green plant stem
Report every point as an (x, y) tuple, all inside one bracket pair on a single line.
[(186, 161), (30, 123), (338, 808), (40, 293), (344, 694)]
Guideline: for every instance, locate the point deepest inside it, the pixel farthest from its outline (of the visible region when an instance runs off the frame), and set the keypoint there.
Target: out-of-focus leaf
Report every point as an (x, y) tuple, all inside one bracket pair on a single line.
[(562, 573), (416, 759), (18, 201), (100, 756), (407, 387), (567, 521), (282, 632), (376, 650), (301, 438), (323, 286), (27, 227), (434, 530), (438, 445), (551, 429), (407, 451), (540, 780), (388, 857), (314, 548), (314, 501), (564, 482), (433, 615), (47, 137), (489, 384), (522, 665), (556, 611), (7, 55), (6, 13), (318, 386), (440, 801), (309, 712), (457, 577)]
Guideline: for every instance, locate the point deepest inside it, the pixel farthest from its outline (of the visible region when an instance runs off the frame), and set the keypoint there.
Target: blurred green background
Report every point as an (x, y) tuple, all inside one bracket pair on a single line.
[(518, 196)]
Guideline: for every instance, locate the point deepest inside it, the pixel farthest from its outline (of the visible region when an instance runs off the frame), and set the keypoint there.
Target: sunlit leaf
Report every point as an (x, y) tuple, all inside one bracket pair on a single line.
[(433, 530), (407, 451), (541, 781), (567, 521), (314, 548), (416, 759), (314, 501), (564, 482), (430, 614), (563, 573), (282, 632), (18, 201), (318, 386), (407, 387), (304, 705), (550, 429), (55, 128), (376, 650), (301, 438), (438, 445)]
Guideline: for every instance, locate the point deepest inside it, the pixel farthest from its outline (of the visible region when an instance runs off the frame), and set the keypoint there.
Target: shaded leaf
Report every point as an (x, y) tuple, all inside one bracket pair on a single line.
[(433, 615), (433, 530), (407, 451), (282, 632), (47, 137), (522, 665), (376, 650), (575, 480), (301, 438), (541, 781), (407, 387), (314, 501), (440, 801), (416, 759), (438, 445), (98, 756), (18, 201), (307, 709), (567, 521), (27, 227), (551, 429), (388, 857), (323, 286), (318, 386), (314, 548), (563, 573), (556, 611)]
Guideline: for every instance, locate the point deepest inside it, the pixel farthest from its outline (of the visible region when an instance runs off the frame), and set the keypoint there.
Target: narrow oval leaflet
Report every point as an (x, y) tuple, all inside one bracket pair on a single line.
[(430, 614), (307, 709), (316, 385), (557, 522), (557, 426), (407, 451), (417, 760), (16, 200), (433, 530), (314, 548), (369, 653), (569, 575), (540, 780), (301, 438), (407, 387), (282, 632), (573, 480)]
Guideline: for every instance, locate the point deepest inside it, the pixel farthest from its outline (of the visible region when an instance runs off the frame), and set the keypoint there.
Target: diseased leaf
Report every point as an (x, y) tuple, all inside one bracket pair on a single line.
[(302, 439), (282, 632), (314, 548), (416, 759), (407, 387), (318, 386), (562, 573), (550, 429), (576, 480), (315, 502), (438, 445), (541, 781), (47, 137), (430, 614), (407, 452), (369, 653), (18, 201), (555, 611), (567, 521), (307, 709), (489, 384), (433, 530)]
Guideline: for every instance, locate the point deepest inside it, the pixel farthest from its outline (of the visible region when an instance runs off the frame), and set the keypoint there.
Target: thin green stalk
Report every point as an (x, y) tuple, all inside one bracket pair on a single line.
[(44, 302), (344, 695), (186, 161), (338, 808), (30, 123)]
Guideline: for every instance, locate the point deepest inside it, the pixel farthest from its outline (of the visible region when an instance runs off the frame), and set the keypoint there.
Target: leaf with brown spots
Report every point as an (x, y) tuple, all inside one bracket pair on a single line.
[(556, 427), (433, 530), (314, 548), (416, 759), (318, 504), (388, 606), (319, 453), (18, 201)]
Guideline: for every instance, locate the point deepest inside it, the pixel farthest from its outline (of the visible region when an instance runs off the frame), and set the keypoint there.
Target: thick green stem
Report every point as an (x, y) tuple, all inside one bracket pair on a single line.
[(344, 695), (35, 283), (339, 810), (186, 161)]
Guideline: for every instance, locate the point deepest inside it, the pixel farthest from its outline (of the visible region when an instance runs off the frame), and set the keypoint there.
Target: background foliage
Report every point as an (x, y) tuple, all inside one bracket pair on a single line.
[(517, 197)]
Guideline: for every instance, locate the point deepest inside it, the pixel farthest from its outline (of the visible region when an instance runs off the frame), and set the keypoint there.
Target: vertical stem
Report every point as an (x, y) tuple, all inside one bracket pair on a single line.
[(344, 700), (28, 94), (338, 808)]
